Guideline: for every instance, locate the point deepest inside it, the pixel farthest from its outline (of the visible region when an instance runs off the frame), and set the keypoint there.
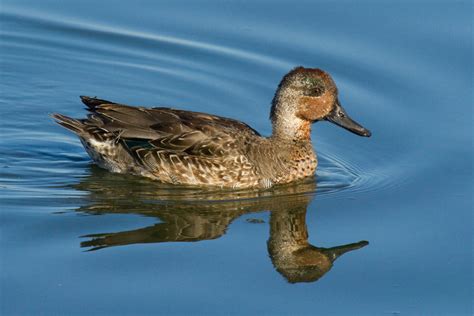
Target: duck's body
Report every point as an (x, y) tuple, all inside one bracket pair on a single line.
[(192, 148)]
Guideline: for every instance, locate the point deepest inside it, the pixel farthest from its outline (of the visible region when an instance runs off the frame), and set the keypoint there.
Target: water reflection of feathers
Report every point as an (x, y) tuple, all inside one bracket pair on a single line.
[(190, 214)]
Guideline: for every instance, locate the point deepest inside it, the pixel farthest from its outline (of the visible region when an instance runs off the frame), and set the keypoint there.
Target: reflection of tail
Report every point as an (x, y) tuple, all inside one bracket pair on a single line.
[(70, 123), (179, 227)]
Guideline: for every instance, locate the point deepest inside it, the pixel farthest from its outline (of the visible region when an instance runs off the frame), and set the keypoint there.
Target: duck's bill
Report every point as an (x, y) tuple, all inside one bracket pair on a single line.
[(339, 117)]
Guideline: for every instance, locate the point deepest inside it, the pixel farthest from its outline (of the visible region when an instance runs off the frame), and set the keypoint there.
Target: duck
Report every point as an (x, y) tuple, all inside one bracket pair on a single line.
[(191, 148)]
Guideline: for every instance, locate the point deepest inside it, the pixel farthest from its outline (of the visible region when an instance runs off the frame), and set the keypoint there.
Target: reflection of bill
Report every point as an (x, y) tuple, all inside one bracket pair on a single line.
[(193, 215)]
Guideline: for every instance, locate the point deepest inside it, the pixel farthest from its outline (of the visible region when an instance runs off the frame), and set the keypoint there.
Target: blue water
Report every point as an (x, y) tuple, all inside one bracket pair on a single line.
[(78, 240)]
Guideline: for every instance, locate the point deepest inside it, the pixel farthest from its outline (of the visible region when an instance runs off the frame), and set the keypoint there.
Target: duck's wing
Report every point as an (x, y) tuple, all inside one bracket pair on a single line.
[(193, 133)]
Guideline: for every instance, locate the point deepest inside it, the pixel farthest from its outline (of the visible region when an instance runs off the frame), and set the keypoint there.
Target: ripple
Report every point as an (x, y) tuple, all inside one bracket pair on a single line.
[(354, 179), (116, 40)]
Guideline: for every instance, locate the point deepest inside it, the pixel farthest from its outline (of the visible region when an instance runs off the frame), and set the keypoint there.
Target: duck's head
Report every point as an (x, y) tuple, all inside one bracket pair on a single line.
[(305, 96)]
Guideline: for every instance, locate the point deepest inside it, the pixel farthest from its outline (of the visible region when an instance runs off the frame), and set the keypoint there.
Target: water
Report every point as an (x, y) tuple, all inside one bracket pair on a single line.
[(79, 240)]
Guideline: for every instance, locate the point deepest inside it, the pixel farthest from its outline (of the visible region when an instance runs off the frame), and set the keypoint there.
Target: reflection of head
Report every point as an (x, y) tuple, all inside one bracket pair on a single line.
[(292, 255), (307, 264)]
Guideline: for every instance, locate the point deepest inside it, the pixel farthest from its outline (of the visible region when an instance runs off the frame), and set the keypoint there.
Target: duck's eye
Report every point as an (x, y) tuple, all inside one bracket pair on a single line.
[(341, 114), (315, 91)]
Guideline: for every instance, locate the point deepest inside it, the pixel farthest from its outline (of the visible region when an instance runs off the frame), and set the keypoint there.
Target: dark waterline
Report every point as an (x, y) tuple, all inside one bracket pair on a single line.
[(395, 210)]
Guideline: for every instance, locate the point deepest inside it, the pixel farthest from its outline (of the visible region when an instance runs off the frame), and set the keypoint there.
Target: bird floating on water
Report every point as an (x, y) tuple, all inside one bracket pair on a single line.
[(192, 148)]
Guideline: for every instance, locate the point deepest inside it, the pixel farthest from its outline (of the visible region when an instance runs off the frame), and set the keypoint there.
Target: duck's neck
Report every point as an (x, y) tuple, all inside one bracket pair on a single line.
[(288, 229), (293, 129), (286, 125)]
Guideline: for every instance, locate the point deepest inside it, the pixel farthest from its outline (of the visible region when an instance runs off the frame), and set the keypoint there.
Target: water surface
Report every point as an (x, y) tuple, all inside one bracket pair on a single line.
[(78, 240)]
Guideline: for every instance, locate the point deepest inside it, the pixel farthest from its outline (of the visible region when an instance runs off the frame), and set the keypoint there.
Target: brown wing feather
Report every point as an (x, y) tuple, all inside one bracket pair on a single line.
[(168, 129)]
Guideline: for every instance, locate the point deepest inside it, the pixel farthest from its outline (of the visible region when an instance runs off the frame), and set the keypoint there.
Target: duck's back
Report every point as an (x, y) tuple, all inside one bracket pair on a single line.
[(173, 146)]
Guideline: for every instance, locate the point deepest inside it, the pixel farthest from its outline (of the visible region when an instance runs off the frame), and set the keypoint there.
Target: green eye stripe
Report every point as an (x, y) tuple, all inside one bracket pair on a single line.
[(313, 82)]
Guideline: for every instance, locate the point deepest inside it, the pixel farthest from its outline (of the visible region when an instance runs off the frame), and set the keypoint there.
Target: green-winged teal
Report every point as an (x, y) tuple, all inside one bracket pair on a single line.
[(192, 148)]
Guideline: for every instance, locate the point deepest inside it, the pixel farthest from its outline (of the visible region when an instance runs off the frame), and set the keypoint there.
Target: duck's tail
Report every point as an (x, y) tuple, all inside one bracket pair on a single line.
[(74, 125)]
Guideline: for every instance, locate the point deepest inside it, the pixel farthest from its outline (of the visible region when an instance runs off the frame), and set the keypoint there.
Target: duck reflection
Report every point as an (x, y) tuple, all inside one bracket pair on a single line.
[(189, 215), (291, 253)]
